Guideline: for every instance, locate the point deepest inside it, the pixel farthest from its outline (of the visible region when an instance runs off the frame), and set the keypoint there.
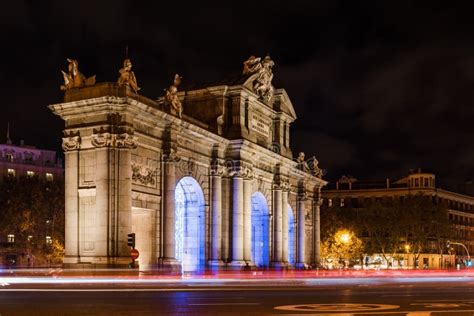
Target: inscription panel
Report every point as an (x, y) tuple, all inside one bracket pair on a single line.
[(260, 125)]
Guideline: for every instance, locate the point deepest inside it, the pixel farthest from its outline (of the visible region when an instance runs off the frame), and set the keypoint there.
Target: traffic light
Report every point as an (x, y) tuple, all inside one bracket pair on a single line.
[(131, 240)]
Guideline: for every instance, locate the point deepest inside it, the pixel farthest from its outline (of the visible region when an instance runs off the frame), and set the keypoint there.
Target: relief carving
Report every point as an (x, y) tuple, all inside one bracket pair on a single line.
[(144, 175)]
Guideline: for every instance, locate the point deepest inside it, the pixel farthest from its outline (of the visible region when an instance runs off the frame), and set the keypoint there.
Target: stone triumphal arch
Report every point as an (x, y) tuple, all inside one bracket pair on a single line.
[(204, 177)]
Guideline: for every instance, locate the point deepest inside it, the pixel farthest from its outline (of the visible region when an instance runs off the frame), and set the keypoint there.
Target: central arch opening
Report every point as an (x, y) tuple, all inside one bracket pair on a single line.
[(291, 236), (260, 233), (189, 225)]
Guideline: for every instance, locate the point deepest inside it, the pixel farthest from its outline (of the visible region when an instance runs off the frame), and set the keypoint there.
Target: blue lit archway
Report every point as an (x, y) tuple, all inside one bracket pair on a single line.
[(260, 221), (291, 236), (189, 225)]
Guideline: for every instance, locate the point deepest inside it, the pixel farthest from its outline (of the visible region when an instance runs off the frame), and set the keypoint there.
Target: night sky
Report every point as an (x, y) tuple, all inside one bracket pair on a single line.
[(379, 87)]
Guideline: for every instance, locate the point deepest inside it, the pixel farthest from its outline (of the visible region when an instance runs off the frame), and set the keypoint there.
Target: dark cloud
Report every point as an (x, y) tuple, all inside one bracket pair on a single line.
[(379, 86)]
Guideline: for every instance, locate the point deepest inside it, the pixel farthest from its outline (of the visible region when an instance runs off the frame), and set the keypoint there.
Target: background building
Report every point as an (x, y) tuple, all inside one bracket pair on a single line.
[(23, 160), (348, 192)]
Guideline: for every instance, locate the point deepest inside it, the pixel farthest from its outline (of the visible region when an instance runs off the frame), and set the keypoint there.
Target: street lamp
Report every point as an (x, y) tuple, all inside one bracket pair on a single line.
[(407, 249), (345, 237)]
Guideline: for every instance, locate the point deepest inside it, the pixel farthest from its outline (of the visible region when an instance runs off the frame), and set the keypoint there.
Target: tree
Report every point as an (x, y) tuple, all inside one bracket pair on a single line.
[(415, 225), (32, 209), (341, 247)]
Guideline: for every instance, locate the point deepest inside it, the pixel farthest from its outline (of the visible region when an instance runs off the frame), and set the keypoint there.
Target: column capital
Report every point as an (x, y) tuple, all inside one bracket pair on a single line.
[(241, 171), (218, 168), (105, 139), (302, 196), (281, 184), (171, 155), (71, 143)]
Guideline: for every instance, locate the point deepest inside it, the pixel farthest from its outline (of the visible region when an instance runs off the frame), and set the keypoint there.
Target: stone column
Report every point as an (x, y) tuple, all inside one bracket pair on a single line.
[(237, 220), (71, 205), (317, 231), (301, 244), (247, 220), (284, 203), (216, 234), (124, 203), (277, 227), (169, 212), (103, 196)]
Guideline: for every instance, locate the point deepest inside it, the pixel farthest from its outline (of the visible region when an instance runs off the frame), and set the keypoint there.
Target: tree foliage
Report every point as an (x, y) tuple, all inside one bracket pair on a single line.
[(387, 227), (31, 209), (341, 247)]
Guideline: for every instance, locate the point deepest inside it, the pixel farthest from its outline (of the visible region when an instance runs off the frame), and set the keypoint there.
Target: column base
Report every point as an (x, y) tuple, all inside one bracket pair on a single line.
[(92, 263), (70, 260), (170, 266), (301, 266), (216, 263), (236, 263), (279, 265)]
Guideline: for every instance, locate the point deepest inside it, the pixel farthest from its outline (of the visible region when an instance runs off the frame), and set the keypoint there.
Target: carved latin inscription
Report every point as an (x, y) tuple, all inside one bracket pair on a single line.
[(260, 125)]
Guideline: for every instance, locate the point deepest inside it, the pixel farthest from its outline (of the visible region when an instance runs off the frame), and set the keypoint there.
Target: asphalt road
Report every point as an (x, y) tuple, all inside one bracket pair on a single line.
[(369, 296)]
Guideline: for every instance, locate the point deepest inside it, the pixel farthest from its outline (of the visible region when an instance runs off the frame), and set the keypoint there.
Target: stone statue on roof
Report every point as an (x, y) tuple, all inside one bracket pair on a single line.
[(74, 78), (302, 164), (171, 96), (315, 168), (261, 75), (127, 77)]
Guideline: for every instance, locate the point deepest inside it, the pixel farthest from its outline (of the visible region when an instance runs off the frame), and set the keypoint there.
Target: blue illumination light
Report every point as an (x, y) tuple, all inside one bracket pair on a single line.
[(260, 233), (291, 236), (189, 225)]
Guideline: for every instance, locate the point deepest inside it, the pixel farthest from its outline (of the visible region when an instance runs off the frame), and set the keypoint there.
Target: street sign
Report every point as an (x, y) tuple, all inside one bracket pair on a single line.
[(134, 253)]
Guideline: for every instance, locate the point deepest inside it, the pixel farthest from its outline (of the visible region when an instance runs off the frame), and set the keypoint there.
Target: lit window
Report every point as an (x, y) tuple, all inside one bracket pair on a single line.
[(329, 202), (9, 157), (11, 172), (49, 177), (10, 238), (30, 173), (341, 204), (49, 240)]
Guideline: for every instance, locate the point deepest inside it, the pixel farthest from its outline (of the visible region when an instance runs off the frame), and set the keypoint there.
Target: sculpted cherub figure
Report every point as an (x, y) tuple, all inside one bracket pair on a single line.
[(302, 164), (127, 77), (171, 95)]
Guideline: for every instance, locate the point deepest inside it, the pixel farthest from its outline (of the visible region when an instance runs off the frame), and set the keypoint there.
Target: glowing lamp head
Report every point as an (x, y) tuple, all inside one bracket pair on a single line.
[(345, 237)]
